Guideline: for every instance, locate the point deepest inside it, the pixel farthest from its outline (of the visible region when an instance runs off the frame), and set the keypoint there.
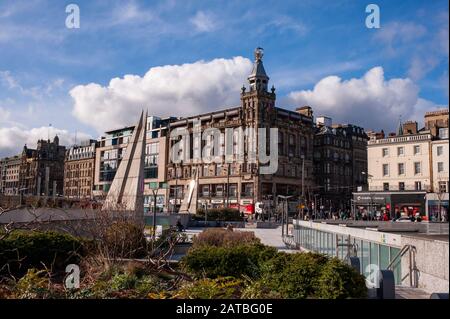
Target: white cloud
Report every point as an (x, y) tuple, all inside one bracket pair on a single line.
[(425, 50), (370, 101), (12, 139), (171, 90), (203, 22)]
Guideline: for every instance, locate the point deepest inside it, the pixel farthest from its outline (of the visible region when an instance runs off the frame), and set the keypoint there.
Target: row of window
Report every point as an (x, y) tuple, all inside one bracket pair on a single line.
[(443, 186), (78, 166), (221, 190), (417, 168), (401, 186), (416, 150), (78, 183), (77, 192), (77, 174), (329, 168), (12, 177)]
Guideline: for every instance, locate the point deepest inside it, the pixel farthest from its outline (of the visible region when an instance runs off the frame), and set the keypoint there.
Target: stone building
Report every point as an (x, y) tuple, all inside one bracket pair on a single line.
[(340, 163), (408, 171), (9, 175), (240, 183), (436, 120), (42, 169), (79, 168)]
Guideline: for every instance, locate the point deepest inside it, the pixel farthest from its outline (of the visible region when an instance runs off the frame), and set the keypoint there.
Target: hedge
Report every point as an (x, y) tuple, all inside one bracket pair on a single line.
[(219, 214), (310, 275), (224, 237), (23, 250), (237, 261)]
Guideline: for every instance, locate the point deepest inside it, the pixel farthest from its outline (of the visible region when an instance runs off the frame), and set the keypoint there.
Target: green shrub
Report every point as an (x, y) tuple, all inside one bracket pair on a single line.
[(219, 288), (22, 250), (255, 289), (219, 214), (292, 275), (35, 284), (223, 237), (237, 261), (308, 275), (123, 281), (338, 280)]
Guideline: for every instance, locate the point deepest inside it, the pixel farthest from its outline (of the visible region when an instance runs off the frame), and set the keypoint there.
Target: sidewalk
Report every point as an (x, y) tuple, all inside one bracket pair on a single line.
[(271, 237)]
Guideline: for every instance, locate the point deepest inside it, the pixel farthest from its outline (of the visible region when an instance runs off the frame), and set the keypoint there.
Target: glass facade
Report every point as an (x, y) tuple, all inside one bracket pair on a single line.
[(344, 246), (151, 160)]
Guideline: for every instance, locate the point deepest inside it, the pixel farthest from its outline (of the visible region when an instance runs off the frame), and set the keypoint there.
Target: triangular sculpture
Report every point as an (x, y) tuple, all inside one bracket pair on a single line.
[(127, 188), (189, 204)]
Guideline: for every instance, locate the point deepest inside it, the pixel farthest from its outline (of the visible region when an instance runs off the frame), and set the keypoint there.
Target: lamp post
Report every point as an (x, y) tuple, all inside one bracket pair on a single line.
[(228, 184), (155, 187), (285, 214), (303, 177)]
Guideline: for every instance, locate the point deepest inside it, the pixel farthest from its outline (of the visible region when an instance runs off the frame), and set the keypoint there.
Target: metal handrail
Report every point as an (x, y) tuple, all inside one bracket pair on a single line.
[(412, 264)]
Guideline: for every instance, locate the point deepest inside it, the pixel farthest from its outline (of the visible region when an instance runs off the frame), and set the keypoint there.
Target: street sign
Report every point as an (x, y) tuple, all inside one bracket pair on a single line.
[(163, 185), (153, 185), (156, 185)]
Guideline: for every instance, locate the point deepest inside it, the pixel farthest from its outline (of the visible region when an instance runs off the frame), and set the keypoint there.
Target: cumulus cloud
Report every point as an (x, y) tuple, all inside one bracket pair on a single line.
[(12, 139), (171, 90), (370, 101)]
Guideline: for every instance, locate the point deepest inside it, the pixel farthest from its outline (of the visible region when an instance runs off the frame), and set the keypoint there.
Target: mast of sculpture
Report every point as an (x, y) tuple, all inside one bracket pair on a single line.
[(127, 188)]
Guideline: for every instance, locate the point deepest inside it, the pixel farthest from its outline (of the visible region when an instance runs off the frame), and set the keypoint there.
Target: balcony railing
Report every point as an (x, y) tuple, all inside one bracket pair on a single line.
[(401, 139)]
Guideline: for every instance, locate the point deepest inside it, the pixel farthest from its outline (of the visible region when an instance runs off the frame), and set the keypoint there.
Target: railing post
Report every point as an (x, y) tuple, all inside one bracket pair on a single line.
[(410, 267)]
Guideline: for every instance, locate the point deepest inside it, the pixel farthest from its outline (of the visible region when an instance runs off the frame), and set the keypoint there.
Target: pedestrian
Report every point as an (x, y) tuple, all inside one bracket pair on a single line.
[(179, 226)]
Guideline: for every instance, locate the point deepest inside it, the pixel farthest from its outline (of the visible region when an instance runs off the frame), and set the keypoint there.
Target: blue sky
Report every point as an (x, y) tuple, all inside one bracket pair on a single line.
[(176, 58)]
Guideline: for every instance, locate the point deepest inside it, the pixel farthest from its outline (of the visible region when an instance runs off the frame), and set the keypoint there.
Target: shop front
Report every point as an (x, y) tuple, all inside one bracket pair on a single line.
[(371, 205), (395, 204), (437, 207)]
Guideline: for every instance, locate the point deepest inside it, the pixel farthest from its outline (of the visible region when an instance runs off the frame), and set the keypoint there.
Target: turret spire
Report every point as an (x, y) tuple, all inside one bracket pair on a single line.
[(258, 78)]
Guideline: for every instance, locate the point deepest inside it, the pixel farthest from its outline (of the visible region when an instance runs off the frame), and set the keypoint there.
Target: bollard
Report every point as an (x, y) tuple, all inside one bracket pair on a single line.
[(386, 284), (355, 263)]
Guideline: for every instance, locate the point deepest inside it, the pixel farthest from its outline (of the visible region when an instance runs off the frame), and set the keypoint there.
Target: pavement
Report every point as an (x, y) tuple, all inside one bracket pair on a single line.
[(403, 292)]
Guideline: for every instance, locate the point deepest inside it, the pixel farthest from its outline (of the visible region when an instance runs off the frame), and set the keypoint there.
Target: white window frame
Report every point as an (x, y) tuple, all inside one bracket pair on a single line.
[(382, 169), (420, 168)]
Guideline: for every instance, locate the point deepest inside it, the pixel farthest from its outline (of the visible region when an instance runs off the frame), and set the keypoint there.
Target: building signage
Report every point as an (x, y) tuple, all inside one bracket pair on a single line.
[(376, 199)]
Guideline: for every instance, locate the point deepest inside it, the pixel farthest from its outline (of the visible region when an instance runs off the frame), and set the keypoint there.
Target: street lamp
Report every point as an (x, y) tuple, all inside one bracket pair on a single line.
[(285, 212)]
